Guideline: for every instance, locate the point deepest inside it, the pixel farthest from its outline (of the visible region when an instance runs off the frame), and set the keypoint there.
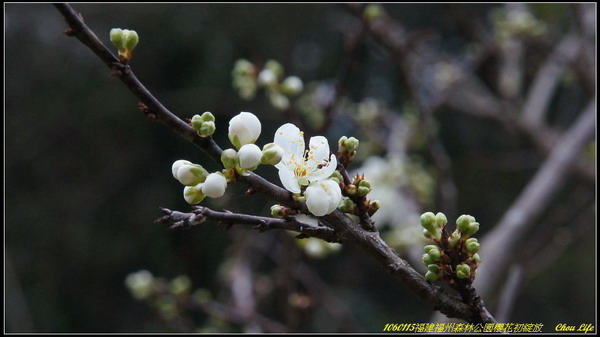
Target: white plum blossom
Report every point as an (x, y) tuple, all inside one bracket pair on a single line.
[(300, 166), (323, 197), (249, 156), (244, 129), (214, 186)]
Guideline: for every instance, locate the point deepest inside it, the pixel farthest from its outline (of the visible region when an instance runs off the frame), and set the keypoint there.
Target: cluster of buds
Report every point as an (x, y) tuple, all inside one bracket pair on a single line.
[(347, 149), (517, 22), (204, 124), (248, 78), (125, 40), (198, 182), (169, 297), (355, 192), (454, 257), (244, 130)]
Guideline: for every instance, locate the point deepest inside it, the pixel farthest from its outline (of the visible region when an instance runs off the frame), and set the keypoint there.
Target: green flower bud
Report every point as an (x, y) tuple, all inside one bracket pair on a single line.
[(207, 129), (347, 205), (372, 12), (374, 206), (454, 239), (427, 260), (125, 40), (243, 67), (116, 37), (463, 271), (362, 191), (346, 144), (278, 211), (351, 189), (279, 101), (275, 67), (431, 276), (463, 222), (208, 117), (180, 285), (427, 234), (229, 158), (197, 122), (429, 247), (193, 194), (292, 86), (434, 268), (271, 154), (131, 39), (435, 254), (364, 183), (201, 296), (472, 247), (473, 228), (428, 221), (441, 220), (476, 258)]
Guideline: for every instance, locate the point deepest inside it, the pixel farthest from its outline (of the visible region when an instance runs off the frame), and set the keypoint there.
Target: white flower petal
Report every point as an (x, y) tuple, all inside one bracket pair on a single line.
[(324, 172), (317, 200), (318, 149), (289, 181), (291, 140)]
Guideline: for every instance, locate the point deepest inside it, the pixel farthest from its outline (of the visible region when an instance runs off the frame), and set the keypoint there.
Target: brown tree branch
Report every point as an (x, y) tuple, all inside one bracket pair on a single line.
[(345, 228), (179, 220)]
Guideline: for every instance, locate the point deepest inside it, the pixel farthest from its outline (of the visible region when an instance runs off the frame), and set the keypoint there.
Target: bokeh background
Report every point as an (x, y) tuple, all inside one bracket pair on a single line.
[(85, 171)]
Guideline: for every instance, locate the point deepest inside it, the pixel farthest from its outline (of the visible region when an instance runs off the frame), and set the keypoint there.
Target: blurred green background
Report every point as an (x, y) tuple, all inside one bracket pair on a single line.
[(85, 172)]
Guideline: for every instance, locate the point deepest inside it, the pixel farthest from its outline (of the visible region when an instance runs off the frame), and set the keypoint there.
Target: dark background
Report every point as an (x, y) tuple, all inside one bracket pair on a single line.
[(85, 172)]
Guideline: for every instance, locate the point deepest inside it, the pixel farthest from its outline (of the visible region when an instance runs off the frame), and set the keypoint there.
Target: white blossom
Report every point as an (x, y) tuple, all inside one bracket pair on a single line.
[(244, 129), (323, 197), (300, 166)]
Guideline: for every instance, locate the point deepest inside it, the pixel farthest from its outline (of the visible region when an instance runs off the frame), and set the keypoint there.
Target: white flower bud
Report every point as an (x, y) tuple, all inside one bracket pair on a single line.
[(177, 164), (244, 129), (292, 86), (267, 78), (214, 186), (323, 197), (249, 156), (271, 154), (191, 174)]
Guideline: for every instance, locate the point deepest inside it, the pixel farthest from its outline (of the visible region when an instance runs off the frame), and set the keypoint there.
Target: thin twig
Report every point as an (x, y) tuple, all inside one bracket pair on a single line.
[(199, 214)]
